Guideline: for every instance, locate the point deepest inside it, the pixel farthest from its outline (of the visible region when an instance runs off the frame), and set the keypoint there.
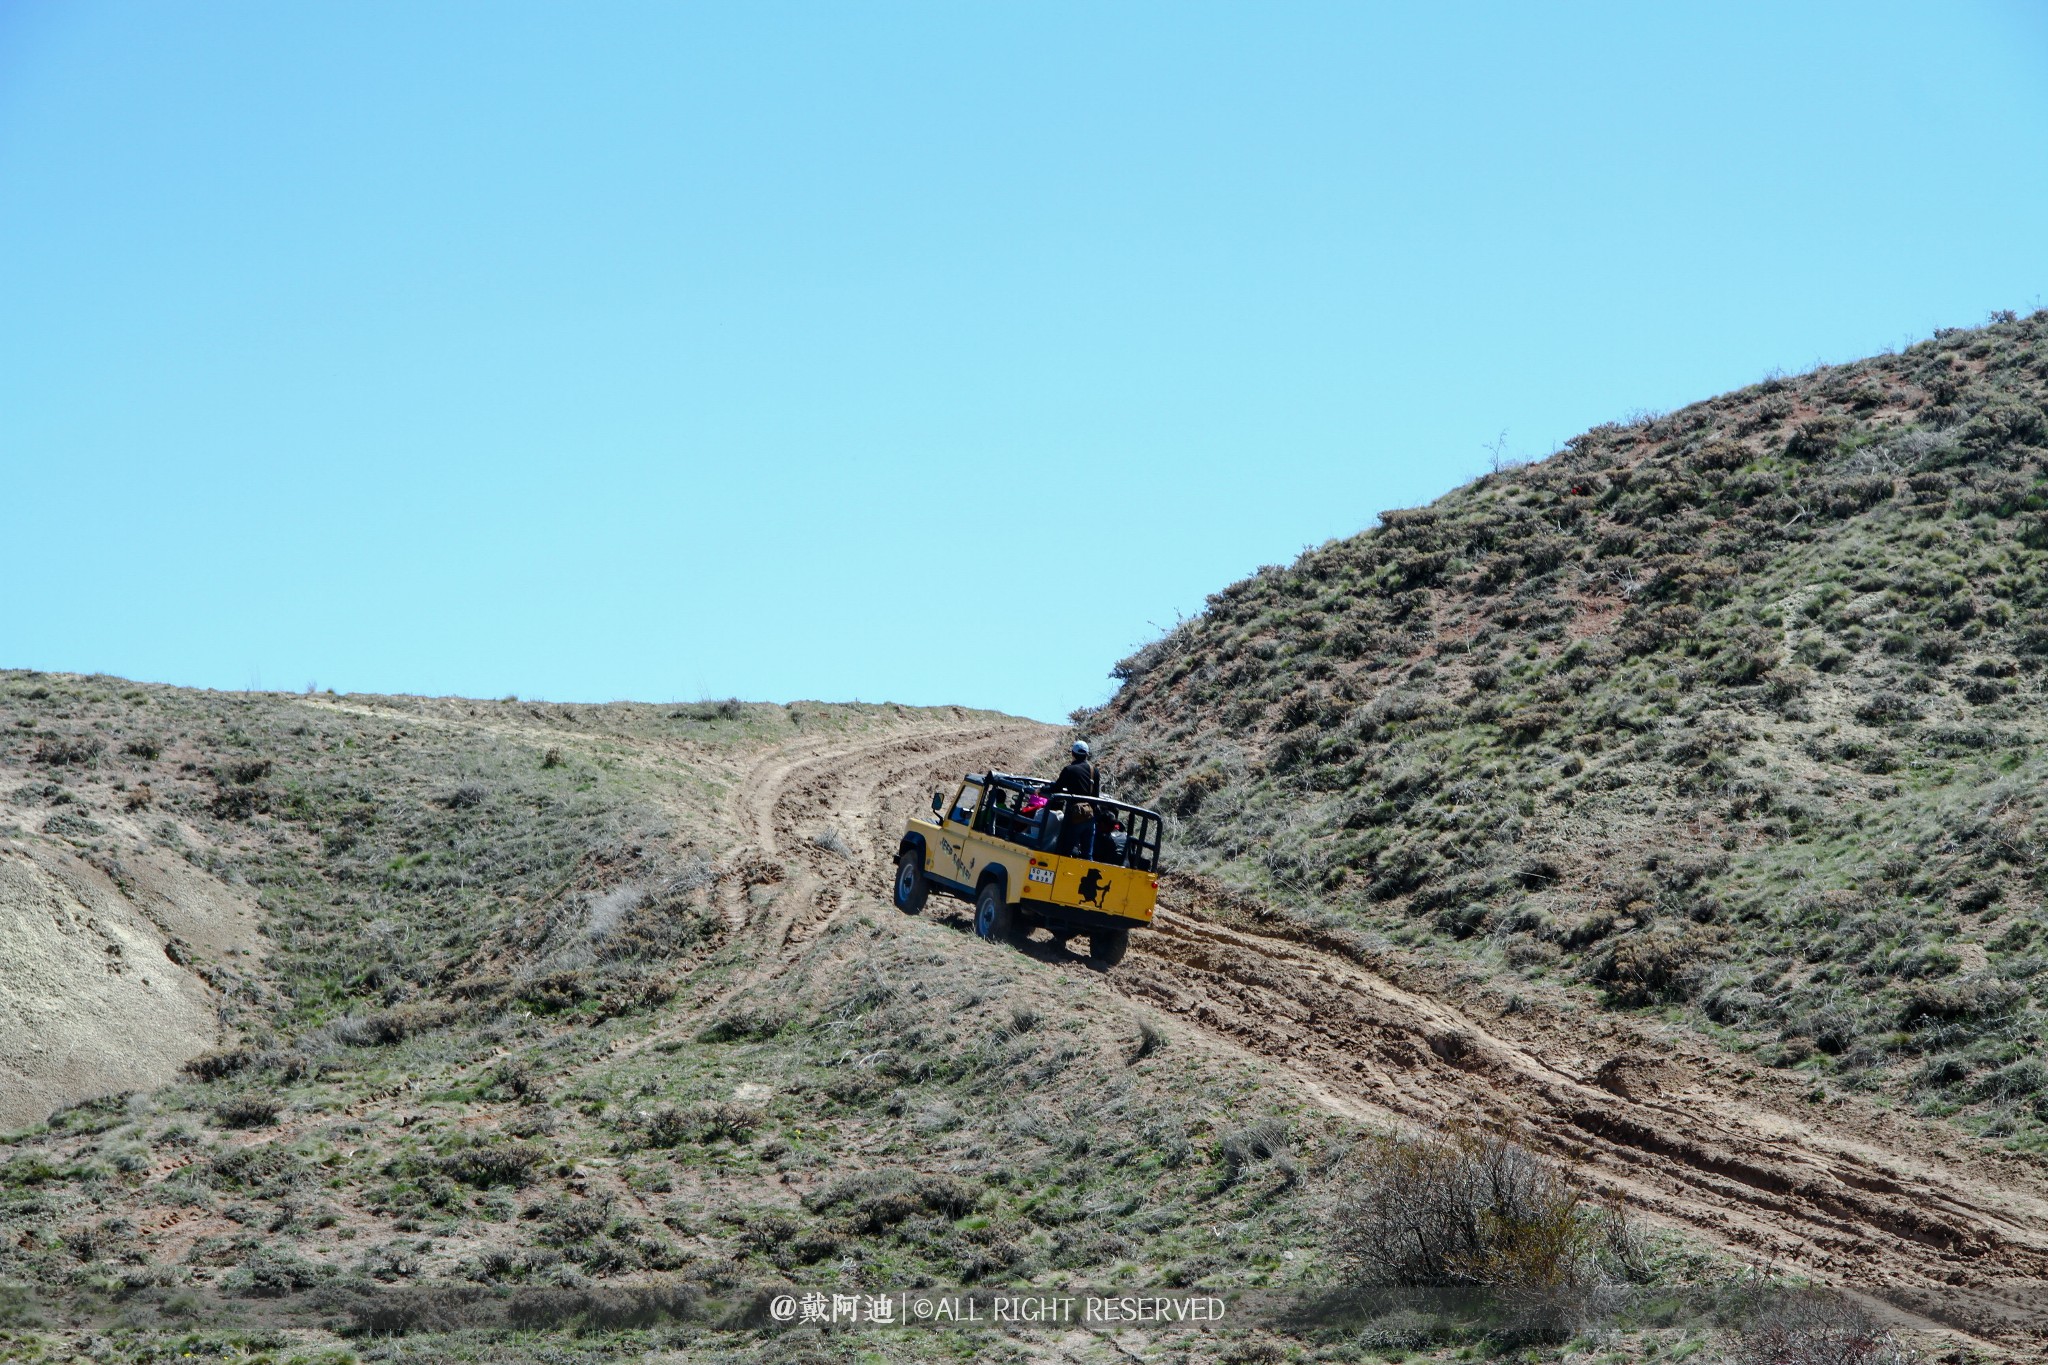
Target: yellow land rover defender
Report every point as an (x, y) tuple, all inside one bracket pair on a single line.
[(1068, 864)]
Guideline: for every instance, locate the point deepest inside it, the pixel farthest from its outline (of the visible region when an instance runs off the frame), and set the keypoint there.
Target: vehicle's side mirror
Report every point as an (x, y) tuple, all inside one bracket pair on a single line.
[(938, 802)]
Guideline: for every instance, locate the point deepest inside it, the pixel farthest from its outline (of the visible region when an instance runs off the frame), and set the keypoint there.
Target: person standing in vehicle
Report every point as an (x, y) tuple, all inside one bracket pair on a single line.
[(1077, 779)]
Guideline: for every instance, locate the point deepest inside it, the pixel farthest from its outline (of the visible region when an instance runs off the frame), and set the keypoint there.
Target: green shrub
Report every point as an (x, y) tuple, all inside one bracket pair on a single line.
[(1974, 998), (872, 1201), (490, 1163)]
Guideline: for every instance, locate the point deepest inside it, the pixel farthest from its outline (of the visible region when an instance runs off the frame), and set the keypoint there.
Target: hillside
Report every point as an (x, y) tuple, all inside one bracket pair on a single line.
[(1668, 806), (1729, 717), (569, 1003), (574, 1033)]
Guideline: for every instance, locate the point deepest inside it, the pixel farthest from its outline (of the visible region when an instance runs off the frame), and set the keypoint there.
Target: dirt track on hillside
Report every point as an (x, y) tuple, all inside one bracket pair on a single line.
[(1909, 1213)]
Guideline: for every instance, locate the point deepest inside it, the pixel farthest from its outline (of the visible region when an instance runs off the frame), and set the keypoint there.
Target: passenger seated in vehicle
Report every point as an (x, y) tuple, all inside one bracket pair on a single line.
[(985, 818), (1033, 822), (1107, 830)]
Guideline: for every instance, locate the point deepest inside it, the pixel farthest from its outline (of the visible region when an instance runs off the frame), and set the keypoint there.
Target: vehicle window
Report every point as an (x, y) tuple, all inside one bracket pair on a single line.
[(993, 806), (1141, 848), (1008, 821), (964, 804)]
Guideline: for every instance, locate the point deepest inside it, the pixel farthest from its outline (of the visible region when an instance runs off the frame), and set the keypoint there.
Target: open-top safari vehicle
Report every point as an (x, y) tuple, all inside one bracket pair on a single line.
[(1067, 864)]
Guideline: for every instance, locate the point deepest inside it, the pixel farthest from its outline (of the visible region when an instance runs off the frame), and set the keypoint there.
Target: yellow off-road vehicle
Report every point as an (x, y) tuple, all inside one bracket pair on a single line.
[(1067, 864)]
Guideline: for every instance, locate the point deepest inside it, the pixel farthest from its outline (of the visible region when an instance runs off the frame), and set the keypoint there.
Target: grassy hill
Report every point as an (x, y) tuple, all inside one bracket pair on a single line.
[(525, 1031), (1731, 714), (582, 1003)]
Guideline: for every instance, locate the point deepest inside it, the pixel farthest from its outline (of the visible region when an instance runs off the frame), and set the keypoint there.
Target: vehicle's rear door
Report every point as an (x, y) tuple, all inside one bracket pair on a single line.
[(1089, 885)]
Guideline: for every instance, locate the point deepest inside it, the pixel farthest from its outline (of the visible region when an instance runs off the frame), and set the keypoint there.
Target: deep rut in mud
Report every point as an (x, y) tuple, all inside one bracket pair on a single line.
[(1909, 1213)]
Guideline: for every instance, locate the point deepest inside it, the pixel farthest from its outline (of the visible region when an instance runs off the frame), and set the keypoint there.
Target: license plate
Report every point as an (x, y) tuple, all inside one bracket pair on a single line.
[(1042, 874)]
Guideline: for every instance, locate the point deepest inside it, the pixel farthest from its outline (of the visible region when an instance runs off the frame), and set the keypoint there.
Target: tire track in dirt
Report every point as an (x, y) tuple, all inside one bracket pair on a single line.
[(793, 793), (1921, 1224), (1903, 1211), (853, 792)]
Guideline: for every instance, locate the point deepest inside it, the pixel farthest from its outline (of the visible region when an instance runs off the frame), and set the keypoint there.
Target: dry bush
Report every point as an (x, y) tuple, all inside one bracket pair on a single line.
[(1641, 969), (237, 803), (728, 1120), (1262, 1141), (211, 1066), (669, 1126), (517, 1077), (59, 751), (244, 771), (96, 1241), (566, 1222), (246, 1111), (1966, 999), (1465, 1209), (1818, 1329), (745, 1023), (387, 1027), (832, 841)]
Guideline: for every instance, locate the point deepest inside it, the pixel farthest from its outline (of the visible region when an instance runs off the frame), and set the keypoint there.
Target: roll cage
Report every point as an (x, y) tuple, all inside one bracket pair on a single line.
[(991, 803)]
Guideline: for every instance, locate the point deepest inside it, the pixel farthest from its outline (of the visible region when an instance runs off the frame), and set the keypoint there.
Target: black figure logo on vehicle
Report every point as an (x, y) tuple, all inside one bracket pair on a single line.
[(1094, 887)]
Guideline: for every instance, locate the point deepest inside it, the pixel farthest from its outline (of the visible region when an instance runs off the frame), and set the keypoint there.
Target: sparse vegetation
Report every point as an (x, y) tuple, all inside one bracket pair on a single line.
[(1723, 717), (502, 1042), (246, 1111), (1468, 1209), (1818, 1329), (1751, 683)]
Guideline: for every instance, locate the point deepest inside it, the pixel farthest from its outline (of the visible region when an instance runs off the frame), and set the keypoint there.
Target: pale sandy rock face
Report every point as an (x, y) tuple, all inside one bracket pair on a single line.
[(90, 1003)]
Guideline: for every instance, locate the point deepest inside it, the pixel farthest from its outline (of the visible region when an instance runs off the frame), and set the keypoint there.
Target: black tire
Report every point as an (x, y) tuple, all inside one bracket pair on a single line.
[(993, 918), (1106, 946), (911, 887)]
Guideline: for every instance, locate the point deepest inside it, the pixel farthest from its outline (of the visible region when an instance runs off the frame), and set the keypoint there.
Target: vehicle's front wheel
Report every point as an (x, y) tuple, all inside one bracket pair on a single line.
[(911, 887), (1106, 946), (993, 919)]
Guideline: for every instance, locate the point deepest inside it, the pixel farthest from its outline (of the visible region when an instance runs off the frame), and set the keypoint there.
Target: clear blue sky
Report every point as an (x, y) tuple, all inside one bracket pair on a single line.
[(933, 353)]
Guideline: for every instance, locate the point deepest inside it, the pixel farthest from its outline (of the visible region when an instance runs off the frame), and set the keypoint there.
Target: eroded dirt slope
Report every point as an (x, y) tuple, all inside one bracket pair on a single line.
[(102, 984)]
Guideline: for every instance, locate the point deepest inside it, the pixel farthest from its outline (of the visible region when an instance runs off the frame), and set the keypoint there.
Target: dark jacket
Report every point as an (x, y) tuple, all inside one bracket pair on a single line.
[(1076, 779)]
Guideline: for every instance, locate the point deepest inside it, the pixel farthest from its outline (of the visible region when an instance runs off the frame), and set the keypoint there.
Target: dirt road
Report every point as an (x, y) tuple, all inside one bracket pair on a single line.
[(1911, 1213)]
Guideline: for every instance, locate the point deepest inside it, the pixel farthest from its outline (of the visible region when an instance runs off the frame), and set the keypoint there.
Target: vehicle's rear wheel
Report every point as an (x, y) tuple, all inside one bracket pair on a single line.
[(911, 887), (1106, 946), (993, 919)]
